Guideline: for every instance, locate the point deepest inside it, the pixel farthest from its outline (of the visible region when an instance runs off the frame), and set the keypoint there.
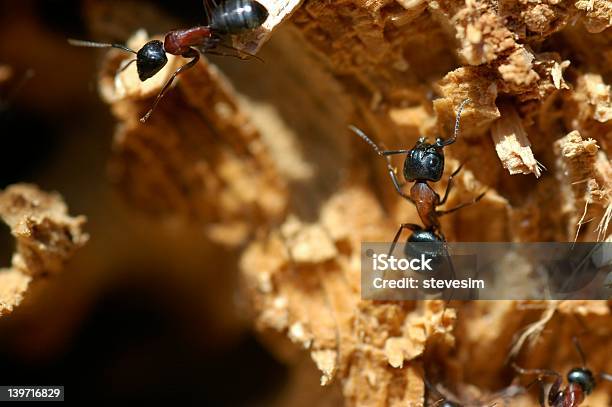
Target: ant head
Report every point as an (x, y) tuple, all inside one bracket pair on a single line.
[(260, 14), (424, 162), (583, 377), (150, 59)]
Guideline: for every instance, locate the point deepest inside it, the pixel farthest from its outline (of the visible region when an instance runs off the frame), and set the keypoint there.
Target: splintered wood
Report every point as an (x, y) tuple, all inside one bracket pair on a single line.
[(46, 238), (278, 11), (537, 77), (512, 144)]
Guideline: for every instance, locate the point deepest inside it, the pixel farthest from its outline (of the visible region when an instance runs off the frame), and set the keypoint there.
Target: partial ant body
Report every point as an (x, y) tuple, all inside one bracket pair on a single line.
[(424, 163), (229, 18), (581, 383)]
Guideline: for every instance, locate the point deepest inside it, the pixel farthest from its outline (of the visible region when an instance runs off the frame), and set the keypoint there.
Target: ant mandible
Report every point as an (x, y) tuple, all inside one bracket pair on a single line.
[(229, 18), (424, 163), (581, 383)]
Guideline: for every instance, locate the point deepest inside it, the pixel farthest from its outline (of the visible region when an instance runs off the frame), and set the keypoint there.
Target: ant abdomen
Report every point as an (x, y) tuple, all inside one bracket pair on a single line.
[(237, 16), (426, 242), (424, 236)]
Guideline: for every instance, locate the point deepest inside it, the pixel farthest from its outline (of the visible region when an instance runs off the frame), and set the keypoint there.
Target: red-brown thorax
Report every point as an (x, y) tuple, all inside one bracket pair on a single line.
[(177, 42), (425, 200)]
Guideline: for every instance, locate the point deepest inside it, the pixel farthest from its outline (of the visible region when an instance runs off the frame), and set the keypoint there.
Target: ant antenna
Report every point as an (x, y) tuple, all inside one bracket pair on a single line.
[(580, 351), (361, 134), (90, 44), (457, 125), (577, 345)]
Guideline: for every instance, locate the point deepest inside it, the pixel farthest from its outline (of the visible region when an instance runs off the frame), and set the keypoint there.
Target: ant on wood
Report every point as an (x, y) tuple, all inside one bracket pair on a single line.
[(229, 18), (424, 163), (581, 383)]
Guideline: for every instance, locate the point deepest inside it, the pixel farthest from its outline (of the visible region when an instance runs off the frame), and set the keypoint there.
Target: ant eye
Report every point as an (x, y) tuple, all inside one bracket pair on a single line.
[(433, 161)]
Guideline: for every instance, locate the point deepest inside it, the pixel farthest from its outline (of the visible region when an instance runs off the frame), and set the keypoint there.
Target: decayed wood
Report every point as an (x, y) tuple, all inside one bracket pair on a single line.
[(304, 281), (46, 238), (512, 144)]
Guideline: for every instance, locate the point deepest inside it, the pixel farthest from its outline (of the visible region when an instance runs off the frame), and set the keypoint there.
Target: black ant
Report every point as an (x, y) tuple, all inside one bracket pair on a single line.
[(229, 18), (424, 163), (581, 383)]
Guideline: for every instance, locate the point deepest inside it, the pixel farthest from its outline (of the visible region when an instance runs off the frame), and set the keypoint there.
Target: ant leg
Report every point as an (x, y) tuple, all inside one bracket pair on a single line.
[(403, 226), (449, 184), (385, 153), (207, 11), (450, 297), (541, 392), (463, 205), (539, 372), (192, 53), (554, 395), (398, 185), (554, 390), (239, 53)]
